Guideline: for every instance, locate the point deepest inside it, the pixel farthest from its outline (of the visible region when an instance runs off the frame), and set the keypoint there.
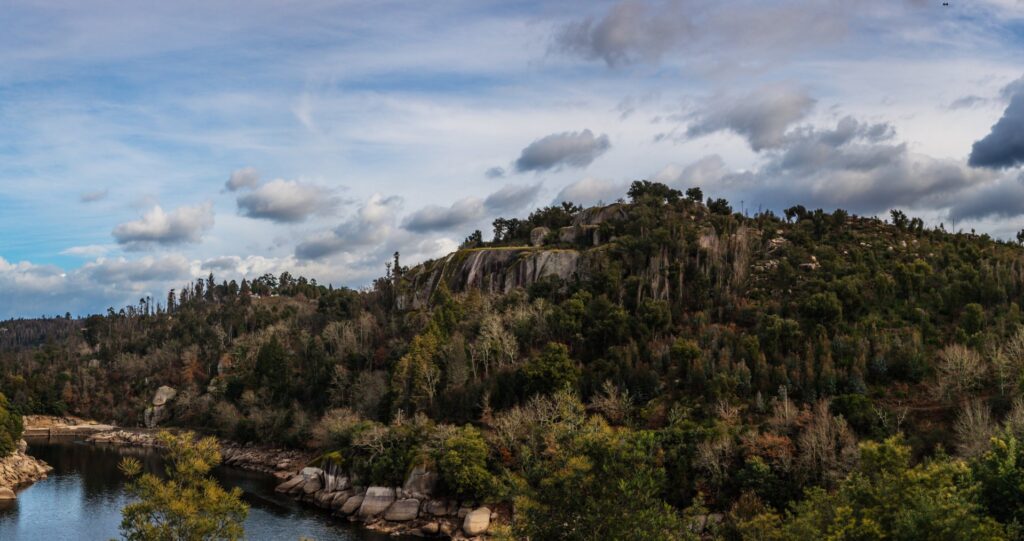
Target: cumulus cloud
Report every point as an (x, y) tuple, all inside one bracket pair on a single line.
[(93, 196), (438, 218), (495, 172), (371, 224), (762, 116), (156, 227), (512, 198), (1004, 145), (246, 177), (48, 289), (287, 201), (572, 149), (854, 166), (508, 199), (591, 191)]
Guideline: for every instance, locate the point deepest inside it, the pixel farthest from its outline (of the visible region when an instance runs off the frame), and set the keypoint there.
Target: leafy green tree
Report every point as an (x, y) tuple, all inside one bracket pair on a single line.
[(462, 464), (888, 499), (603, 484), (550, 371), (188, 505), (1000, 472), (10, 428)]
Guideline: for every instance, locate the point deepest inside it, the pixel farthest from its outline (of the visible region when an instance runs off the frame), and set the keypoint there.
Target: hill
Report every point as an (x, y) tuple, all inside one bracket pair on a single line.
[(719, 360)]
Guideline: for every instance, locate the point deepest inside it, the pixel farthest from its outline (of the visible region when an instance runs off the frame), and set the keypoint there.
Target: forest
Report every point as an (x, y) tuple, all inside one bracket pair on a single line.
[(697, 373)]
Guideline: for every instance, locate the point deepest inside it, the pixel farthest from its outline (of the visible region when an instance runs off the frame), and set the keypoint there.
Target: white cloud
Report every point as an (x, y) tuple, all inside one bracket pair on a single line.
[(287, 201), (592, 191), (156, 227), (246, 177)]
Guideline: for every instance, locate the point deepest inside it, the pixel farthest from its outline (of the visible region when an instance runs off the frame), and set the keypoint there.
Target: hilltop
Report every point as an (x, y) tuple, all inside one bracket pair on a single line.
[(729, 359)]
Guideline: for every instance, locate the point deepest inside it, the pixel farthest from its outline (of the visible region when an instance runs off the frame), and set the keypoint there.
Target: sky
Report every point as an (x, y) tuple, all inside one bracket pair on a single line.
[(145, 144)]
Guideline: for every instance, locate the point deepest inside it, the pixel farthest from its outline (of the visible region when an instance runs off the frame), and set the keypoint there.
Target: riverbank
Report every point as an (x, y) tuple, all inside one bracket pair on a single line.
[(410, 509)]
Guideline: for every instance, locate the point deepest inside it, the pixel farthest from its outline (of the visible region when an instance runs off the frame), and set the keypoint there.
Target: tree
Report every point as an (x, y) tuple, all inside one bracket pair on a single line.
[(888, 499), (550, 371), (695, 194), (1000, 473), (719, 206), (604, 484), (462, 464), (10, 428), (188, 504)]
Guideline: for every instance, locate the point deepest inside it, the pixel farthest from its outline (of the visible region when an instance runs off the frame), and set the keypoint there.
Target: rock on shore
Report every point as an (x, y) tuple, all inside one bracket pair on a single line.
[(19, 469)]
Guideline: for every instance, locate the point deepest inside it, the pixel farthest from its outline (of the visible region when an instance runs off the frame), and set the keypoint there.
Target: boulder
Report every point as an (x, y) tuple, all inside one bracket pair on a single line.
[(420, 482), (403, 510), (538, 234), (430, 528), (376, 501), (160, 409), (438, 508), (352, 504), (324, 498), (477, 522), (163, 395), (340, 498), (6, 494), (312, 485), (291, 484)]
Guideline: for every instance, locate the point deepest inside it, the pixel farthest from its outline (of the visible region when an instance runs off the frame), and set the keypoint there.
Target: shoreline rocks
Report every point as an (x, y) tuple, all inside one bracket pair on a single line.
[(19, 469)]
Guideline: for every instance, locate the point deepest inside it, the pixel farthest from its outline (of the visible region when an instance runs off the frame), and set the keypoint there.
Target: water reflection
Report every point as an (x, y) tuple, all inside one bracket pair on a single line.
[(83, 497)]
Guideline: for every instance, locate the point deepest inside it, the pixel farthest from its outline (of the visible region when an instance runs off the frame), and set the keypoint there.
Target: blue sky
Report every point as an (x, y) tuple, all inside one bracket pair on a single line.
[(354, 129)]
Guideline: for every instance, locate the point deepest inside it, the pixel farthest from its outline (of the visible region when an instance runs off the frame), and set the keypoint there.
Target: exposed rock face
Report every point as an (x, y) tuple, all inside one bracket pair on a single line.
[(403, 510), (492, 270), (599, 215), (19, 468), (537, 236), (477, 521), (421, 482), (376, 501), (160, 410)]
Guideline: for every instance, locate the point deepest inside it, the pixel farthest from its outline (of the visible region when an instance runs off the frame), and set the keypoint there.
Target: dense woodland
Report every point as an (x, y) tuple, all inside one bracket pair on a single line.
[(807, 376)]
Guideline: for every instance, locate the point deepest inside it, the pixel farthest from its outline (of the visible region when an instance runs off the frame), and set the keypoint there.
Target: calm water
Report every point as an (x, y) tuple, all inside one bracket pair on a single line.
[(83, 496)]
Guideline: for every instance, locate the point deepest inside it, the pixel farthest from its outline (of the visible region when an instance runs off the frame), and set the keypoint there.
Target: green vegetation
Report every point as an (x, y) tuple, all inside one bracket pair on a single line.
[(188, 504), (693, 361), (10, 428)]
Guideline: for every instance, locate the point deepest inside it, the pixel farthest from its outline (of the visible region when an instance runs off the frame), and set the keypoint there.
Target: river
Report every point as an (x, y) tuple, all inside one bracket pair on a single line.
[(82, 498)]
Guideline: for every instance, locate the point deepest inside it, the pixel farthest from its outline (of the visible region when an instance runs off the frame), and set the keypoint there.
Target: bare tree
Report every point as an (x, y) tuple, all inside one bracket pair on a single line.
[(958, 371), (974, 426)]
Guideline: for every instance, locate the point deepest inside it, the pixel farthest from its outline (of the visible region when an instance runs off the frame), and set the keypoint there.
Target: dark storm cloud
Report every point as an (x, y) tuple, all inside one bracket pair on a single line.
[(1001, 199), (1004, 145), (567, 149)]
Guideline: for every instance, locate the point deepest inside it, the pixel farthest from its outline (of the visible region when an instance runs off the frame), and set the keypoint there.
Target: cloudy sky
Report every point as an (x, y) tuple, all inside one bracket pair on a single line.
[(146, 143)]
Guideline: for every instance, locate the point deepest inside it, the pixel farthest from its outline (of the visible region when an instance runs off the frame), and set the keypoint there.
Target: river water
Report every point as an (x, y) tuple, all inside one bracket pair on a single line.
[(82, 498)]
